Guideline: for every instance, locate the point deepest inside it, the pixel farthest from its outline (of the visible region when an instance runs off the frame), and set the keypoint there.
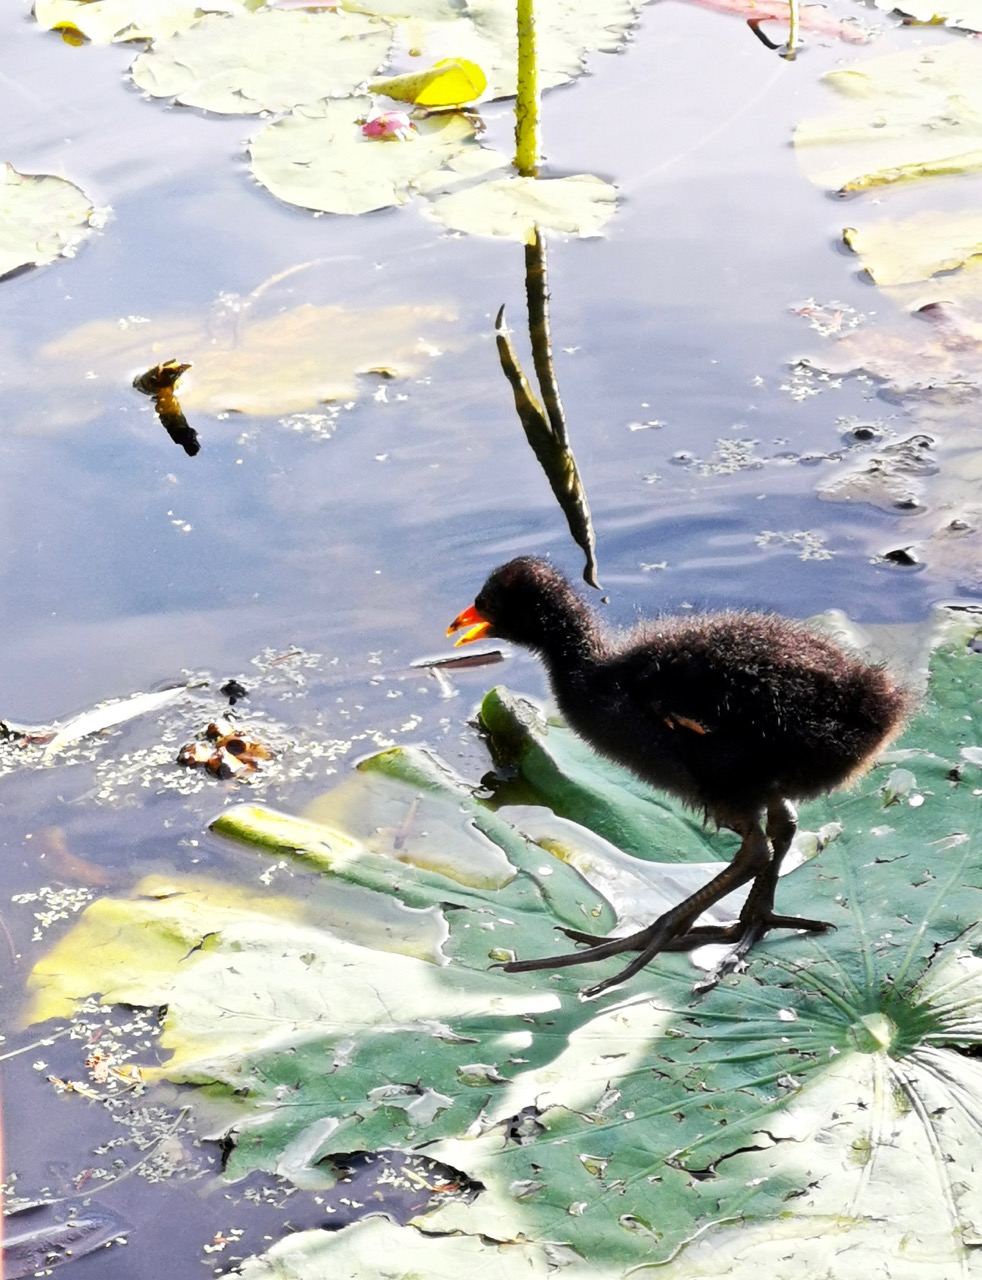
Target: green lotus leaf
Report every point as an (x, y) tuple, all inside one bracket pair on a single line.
[(815, 1113)]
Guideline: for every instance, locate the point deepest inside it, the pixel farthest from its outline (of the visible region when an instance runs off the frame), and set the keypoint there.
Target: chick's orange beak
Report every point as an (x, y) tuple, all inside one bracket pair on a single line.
[(476, 626)]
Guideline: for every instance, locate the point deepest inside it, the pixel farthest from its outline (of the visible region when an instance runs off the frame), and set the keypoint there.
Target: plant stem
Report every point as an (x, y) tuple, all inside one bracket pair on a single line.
[(527, 99)]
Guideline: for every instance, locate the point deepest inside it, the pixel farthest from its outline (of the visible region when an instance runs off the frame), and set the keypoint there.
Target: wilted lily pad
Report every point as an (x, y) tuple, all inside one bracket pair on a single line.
[(775, 1121), (41, 218), (270, 60)]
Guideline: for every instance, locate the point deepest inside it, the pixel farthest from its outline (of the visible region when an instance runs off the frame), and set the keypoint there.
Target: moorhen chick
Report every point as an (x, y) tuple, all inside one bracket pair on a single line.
[(736, 713)]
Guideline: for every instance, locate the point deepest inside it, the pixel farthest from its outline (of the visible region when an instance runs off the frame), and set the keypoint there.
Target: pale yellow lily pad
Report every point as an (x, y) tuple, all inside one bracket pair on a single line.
[(566, 31), (41, 218), (484, 31), (243, 972), (409, 1254), (323, 161), (578, 205), (903, 116), (411, 11), (118, 21), (919, 247), (270, 60), (284, 362)]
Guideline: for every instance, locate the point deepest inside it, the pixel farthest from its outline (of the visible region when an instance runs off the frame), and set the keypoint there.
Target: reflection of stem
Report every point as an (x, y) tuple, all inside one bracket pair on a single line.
[(537, 294), (527, 98)]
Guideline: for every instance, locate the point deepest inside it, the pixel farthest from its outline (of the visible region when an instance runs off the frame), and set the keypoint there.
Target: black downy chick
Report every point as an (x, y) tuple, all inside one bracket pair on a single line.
[(737, 714)]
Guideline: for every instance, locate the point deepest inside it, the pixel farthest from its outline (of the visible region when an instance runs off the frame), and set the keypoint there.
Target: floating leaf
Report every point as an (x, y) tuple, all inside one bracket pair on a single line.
[(274, 358), (106, 21), (566, 32), (325, 162), (270, 60), (408, 1253), (448, 83), (514, 207), (905, 116), (41, 218), (919, 247)]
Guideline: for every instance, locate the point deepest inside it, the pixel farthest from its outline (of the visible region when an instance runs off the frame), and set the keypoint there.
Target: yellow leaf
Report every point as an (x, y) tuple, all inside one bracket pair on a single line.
[(70, 34), (448, 83)]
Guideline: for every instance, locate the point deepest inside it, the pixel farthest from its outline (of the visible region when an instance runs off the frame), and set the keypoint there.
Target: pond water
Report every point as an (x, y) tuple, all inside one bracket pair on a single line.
[(317, 565)]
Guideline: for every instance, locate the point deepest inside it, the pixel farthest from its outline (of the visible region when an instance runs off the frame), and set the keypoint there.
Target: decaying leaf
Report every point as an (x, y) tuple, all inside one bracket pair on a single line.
[(159, 383), (225, 751)]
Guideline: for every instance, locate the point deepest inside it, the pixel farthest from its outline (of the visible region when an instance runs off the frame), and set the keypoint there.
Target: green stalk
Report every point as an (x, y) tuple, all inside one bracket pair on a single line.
[(527, 99)]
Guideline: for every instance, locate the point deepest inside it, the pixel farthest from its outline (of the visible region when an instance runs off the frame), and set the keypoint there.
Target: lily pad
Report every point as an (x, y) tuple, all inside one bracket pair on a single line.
[(579, 205), (270, 60), (323, 160), (41, 218), (774, 1121), (919, 247), (904, 117), (566, 31), (118, 21), (409, 1254), (267, 358)]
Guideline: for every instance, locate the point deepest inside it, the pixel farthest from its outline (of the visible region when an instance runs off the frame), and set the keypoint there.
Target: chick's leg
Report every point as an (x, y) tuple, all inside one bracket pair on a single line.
[(665, 933)]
